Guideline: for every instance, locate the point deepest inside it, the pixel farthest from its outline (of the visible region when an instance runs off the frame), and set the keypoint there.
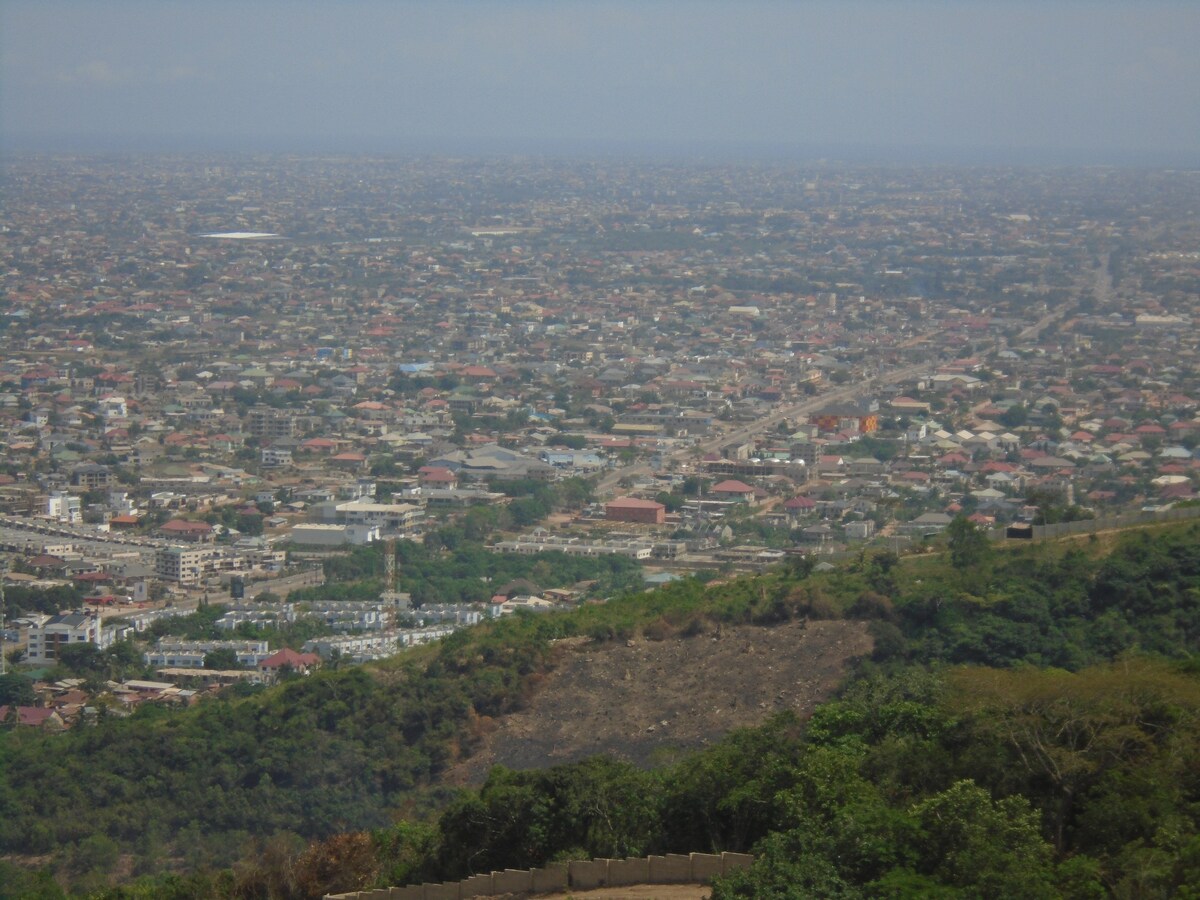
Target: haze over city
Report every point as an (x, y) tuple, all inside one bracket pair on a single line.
[(1007, 81), (690, 450)]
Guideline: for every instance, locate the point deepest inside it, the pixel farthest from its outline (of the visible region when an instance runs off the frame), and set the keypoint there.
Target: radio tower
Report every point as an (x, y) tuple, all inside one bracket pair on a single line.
[(389, 578), (3, 575), (389, 566)]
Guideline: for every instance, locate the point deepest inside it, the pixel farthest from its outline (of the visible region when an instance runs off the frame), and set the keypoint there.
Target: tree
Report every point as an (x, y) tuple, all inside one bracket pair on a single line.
[(221, 658), (1068, 731), (990, 848), (81, 659), (673, 502), (969, 546), (571, 441), (16, 690), (1015, 416)]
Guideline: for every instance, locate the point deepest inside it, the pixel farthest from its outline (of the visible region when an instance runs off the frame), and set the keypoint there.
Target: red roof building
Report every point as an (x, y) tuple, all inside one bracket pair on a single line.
[(33, 717), (287, 658), (631, 509), (187, 530), (732, 489)]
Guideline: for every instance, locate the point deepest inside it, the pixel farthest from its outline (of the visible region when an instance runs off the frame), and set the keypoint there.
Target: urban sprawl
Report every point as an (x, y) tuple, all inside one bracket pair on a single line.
[(221, 376)]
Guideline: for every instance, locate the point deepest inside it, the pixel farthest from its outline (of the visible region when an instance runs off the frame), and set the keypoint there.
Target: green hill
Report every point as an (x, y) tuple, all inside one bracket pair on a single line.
[(1027, 728)]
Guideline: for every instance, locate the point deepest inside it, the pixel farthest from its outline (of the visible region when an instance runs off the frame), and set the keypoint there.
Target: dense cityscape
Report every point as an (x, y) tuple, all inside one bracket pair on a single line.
[(264, 415), (599, 450), (218, 372)]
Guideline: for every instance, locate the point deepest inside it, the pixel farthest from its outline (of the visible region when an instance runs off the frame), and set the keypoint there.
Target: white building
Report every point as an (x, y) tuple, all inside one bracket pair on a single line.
[(387, 517), (377, 645), (64, 507), (190, 654), (276, 457), (192, 565), (113, 407), (269, 615), (352, 615), (318, 535), (48, 636)]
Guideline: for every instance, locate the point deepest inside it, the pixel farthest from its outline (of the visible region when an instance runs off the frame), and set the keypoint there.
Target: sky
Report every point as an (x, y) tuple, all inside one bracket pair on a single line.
[(1095, 80)]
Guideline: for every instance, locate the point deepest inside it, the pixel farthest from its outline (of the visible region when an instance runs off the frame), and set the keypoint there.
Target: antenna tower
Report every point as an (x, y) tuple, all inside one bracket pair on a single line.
[(389, 565), (3, 575)]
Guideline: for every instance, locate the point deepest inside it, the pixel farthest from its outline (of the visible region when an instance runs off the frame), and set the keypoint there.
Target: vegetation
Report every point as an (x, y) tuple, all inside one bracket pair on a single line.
[(954, 765), (468, 572)]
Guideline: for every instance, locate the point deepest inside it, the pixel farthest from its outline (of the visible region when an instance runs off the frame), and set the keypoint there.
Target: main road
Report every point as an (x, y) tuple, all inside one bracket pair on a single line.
[(1102, 287), (763, 425)]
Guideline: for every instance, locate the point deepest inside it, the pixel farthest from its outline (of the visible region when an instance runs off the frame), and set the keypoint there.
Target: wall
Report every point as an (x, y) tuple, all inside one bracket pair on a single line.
[(1108, 523), (580, 874), (1089, 526)]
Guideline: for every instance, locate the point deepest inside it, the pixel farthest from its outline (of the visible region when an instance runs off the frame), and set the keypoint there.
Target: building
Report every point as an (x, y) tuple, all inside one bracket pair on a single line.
[(191, 654), (665, 420), (318, 535), (732, 490), (187, 530), (33, 717), (287, 660), (276, 457), (64, 508), (192, 565), (48, 637), (388, 518), (268, 422), (542, 541), (863, 419), (91, 476), (631, 509)]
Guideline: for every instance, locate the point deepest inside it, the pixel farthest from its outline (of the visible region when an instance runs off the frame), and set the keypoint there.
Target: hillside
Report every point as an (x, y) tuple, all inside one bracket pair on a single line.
[(962, 645), (647, 700)]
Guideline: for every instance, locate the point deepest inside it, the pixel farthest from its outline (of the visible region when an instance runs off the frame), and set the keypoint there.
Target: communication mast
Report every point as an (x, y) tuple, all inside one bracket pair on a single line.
[(389, 566), (390, 595), (3, 576)]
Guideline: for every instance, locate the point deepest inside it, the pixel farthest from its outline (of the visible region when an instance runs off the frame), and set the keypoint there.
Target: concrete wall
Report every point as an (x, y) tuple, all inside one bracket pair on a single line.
[(281, 587), (629, 871), (587, 873), (705, 866), (1141, 517), (551, 878), (670, 869), (1107, 523), (580, 874)]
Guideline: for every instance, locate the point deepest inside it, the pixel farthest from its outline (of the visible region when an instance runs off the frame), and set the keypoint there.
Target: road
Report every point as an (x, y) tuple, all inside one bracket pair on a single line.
[(760, 426), (1102, 288)]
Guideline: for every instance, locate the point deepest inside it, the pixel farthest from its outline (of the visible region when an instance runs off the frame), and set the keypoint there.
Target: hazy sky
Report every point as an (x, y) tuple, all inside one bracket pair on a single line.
[(1113, 77)]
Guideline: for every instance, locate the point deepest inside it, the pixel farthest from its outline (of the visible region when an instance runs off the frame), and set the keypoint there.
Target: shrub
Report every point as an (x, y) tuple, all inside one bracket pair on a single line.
[(871, 605), (658, 630)]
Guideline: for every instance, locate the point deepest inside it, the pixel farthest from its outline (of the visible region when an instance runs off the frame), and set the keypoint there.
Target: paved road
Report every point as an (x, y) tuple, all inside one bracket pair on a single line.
[(760, 426), (1102, 287)]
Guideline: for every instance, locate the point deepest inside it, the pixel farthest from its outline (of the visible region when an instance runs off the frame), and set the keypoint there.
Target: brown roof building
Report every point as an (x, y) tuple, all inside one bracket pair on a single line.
[(631, 509), (185, 530)]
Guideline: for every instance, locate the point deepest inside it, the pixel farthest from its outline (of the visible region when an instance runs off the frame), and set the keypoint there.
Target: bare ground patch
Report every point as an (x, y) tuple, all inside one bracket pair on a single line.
[(647, 701)]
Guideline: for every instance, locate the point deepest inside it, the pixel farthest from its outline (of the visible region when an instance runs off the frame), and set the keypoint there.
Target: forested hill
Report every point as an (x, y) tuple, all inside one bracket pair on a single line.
[(1027, 727)]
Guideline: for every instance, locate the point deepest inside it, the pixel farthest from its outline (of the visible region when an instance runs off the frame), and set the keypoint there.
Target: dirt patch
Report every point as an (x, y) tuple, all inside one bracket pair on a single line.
[(631, 892), (647, 701)]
